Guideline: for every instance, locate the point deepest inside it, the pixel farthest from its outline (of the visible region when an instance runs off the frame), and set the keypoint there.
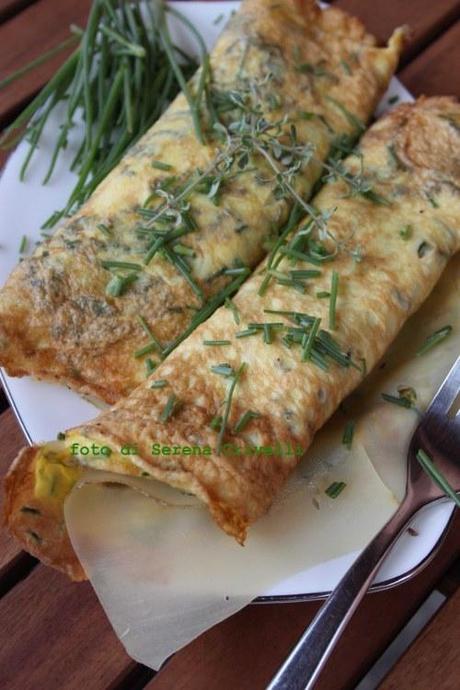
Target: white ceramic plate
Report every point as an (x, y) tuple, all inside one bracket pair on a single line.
[(44, 409)]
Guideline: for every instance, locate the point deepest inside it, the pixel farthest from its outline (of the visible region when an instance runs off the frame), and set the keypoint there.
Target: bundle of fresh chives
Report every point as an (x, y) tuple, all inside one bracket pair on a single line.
[(119, 80)]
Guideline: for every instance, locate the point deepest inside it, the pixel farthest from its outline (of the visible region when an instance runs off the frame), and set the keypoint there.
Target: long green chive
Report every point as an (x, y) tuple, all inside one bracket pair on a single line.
[(38, 61), (434, 339), (437, 476), (169, 409), (228, 403), (217, 343), (245, 419), (206, 311), (335, 489), (333, 300), (348, 433)]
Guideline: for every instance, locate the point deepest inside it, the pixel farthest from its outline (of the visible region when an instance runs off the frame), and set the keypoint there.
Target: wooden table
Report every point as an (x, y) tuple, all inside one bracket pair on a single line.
[(55, 635)]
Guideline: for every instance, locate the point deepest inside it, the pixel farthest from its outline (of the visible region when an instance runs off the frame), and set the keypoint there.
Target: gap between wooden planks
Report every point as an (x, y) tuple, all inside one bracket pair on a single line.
[(97, 660)]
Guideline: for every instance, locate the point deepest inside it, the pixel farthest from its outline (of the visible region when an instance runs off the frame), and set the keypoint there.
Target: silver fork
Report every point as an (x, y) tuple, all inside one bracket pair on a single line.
[(438, 434)]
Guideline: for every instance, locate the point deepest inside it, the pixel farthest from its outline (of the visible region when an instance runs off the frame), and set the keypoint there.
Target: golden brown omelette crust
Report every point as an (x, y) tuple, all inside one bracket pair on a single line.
[(56, 321), (412, 158)]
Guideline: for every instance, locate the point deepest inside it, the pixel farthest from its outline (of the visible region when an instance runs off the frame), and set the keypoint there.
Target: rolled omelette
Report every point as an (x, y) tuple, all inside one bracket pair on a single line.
[(229, 414), (99, 304)]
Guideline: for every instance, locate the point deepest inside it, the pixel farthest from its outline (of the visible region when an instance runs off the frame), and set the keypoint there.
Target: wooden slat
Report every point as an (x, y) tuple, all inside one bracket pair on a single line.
[(244, 651), (12, 440), (54, 634), (8, 8), (425, 18), (37, 29), (437, 69), (433, 660)]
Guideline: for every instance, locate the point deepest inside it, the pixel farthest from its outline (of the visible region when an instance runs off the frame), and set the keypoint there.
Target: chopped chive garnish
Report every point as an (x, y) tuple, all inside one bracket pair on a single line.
[(335, 489), (118, 284), (161, 166), (169, 408), (121, 264), (305, 275), (348, 433), (217, 342), (245, 419), (60, 436), (23, 245), (239, 270), (223, 369), (406, 232), (323, 294), (229, 304), (246, 333), (434, 339), (218, 19), (308, 346), (437, 476), (400, 400), (228, 403), (394, 99), (150, 365), (333, 300), (159, 383)]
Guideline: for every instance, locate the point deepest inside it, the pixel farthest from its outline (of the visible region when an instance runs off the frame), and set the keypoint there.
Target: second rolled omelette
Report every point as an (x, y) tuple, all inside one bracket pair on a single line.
[(99, 304), (305, 329)]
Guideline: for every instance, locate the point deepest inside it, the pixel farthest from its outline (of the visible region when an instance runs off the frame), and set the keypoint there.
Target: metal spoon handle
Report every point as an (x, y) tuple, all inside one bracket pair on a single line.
[(301, 669)]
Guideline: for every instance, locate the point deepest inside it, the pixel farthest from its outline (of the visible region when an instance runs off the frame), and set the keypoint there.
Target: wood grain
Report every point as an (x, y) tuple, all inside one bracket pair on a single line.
[(244, 651), (54, 634), (8, 8), (37, 29), (426, 19), (436, 70), (432, 661)]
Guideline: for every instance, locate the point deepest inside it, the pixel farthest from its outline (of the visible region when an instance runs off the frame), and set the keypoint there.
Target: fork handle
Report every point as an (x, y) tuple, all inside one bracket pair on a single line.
[(301, 669)]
